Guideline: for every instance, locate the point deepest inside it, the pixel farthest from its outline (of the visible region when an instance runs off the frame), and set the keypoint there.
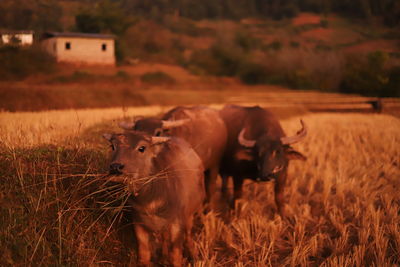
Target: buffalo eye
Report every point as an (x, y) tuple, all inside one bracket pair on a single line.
[(158, 133), (142, 149)]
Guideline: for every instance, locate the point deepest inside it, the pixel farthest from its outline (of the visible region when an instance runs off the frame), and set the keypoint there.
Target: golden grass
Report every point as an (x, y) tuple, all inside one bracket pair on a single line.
[(25, 129), (342, 204)]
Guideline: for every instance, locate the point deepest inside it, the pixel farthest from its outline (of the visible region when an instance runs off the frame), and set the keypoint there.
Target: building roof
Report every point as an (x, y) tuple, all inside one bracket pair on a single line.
[(78, 35), (6, 32)]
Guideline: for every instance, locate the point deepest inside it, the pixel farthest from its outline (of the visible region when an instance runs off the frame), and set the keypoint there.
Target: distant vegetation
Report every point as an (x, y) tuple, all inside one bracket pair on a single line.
[(253, 41), (322, 69), (277, 9), (368, 76), (35, 15), (157, 77), (18, 63), (109, 14)]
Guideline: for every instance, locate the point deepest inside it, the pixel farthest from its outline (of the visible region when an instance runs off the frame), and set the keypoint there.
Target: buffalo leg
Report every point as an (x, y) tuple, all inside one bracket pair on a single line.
[(210, 181), (224, 185), (176, 245), (165, 245), (237, 190), (143, 239), (279, 191), (188, 237)]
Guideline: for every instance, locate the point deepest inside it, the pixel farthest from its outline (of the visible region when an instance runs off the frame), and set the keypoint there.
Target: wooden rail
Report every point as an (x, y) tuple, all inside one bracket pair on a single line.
[(337, 103)]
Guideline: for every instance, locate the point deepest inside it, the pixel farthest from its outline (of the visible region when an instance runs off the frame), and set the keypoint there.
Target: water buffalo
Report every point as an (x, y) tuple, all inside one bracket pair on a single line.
[(257, 149), (200, 126), (165, 177)]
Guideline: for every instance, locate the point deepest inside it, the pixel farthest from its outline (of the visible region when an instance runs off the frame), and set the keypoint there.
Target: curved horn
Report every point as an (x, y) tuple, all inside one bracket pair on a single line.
[(129, 125), (171, 124), (157, 139), (107, 136), (288, 140), (244, 142), (126, 125)]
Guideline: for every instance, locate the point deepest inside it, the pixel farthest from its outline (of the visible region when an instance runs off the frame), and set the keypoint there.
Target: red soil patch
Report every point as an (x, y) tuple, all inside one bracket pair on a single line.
[(321, 34), (306, 18), (197, 42), (375, 45), (219, 25), (332, 36)]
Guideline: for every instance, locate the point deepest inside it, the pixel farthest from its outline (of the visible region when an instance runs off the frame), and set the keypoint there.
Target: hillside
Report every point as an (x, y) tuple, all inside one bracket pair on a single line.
[(310, 51)]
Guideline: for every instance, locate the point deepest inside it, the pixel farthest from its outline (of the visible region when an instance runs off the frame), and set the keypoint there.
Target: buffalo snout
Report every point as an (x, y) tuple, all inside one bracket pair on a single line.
[(116, 168)]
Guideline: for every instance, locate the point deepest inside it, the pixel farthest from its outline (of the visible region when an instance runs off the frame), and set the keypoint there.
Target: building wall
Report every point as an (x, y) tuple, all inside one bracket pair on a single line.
[(81, 50), (26, 39)]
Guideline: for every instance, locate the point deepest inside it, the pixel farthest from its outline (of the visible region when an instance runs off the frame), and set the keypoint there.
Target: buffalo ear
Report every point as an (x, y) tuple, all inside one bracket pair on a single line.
[(107, 136), (293, 154)]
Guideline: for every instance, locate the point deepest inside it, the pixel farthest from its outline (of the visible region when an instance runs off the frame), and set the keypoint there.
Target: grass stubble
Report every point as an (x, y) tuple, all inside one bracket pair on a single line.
[(342, 203)]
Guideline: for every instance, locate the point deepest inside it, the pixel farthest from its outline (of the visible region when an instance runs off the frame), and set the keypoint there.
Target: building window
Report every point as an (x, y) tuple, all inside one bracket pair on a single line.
[(103, 47), (67, 46)]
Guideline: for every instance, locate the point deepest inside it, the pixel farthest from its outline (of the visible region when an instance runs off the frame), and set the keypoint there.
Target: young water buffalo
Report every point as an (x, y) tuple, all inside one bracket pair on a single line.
[(257, 149), (165, 177), (200, 126)]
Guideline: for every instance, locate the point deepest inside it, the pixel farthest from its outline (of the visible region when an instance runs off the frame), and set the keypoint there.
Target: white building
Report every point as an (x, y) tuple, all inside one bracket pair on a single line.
[(80, 48), (17, 37)]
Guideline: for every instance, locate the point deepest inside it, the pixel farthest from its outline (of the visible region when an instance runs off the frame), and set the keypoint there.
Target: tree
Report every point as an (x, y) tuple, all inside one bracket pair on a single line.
[(38, 15), (87, 22), (107, 17)]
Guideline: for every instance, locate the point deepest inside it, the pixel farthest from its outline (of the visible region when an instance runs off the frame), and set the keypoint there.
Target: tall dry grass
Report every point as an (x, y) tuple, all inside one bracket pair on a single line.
[(27, 129), (343, 203)]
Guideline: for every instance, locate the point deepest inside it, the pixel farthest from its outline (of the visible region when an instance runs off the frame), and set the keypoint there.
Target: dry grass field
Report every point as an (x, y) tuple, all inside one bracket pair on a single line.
[(343, 203)]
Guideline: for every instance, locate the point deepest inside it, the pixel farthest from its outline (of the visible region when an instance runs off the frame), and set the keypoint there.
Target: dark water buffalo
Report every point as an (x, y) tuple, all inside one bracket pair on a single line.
[(165, 177), (200, 126), (257, 149)]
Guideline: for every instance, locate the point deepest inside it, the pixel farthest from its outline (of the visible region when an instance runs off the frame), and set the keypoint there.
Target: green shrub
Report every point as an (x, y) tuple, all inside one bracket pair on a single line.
[(275, 45), (368, 76), (185, 26), (299, 79), (246, 41), (21, 62), (324, 23), (294, 44), (202, 62), (150, 41), (392, 87), (253, 73), (229, 59), (288, 10), (76, 76), (122, 75), (157, 77), (323, 47)]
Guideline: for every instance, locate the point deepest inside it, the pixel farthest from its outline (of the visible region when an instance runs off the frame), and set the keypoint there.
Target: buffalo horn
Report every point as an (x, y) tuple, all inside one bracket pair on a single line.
[(158, 139), (243, 141), (288, 140), (107, 136), (126, 125), (171, 124), (129, 125)]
